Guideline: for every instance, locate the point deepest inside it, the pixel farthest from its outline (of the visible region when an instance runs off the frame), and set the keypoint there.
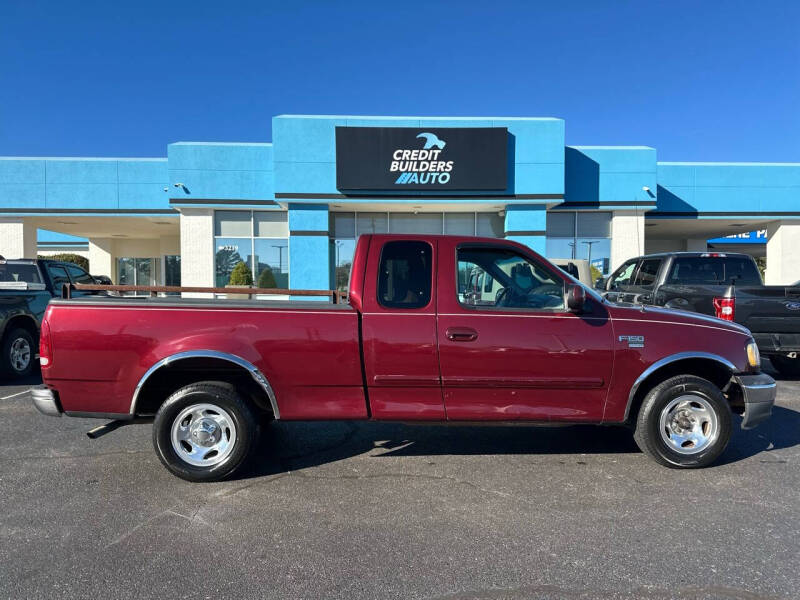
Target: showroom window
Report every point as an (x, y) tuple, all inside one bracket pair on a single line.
[(260, 239), (138, 271), (580, 235), (172, 269), (345, 227)]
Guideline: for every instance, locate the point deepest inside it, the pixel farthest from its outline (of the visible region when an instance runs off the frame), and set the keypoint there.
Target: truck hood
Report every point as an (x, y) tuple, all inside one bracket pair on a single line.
[(627, 310)]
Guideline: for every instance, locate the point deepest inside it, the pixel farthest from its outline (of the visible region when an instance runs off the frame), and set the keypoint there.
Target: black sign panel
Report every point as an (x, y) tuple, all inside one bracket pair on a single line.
[(403, 159)]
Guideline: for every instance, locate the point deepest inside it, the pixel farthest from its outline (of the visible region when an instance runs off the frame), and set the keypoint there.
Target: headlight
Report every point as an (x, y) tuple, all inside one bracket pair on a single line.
[(753, 356)]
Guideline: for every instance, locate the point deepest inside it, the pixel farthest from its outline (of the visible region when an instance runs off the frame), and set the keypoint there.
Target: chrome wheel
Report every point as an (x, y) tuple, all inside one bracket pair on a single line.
[(20, 354), (203, 435), (689, 424)]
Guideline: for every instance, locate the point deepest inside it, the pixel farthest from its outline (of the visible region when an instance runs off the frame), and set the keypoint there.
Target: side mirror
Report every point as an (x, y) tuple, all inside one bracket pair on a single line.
[(600, 283), (576, 298)]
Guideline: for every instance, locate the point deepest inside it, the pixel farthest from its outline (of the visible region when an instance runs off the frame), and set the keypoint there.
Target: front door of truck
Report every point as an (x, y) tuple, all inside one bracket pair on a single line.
[(634, 282), (401, 361), (508, 347)]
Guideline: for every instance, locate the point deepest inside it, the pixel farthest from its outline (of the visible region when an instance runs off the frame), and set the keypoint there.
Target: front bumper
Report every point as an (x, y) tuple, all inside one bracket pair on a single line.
[(45, 401), (758, 393)]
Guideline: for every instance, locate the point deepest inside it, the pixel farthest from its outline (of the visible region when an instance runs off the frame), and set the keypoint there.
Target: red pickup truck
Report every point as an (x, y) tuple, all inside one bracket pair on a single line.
[(437, 328)]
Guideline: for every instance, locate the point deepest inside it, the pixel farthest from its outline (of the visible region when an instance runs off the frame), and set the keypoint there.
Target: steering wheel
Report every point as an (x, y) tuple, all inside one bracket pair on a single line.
[(500, 296)]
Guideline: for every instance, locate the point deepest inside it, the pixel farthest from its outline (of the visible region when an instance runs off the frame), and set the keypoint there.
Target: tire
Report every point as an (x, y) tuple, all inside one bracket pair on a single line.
[(204, 431), (684, 423), (18, 352), (788, 367)]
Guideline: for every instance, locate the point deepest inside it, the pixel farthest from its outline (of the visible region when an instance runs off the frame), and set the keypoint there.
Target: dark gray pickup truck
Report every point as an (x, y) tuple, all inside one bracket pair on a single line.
[(725, 285), (26, 286)]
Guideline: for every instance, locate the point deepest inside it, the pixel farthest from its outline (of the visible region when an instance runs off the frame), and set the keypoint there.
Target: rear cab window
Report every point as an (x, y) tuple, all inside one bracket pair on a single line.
[(19, 272), (713, 270), (405, 275)]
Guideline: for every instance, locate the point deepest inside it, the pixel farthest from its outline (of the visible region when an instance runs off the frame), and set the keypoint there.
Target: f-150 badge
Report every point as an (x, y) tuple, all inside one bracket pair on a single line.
[(634, 341)]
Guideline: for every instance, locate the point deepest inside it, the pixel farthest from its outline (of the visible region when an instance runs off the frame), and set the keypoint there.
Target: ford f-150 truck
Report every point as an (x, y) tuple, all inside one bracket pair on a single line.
[(416, 342), (725, 285)]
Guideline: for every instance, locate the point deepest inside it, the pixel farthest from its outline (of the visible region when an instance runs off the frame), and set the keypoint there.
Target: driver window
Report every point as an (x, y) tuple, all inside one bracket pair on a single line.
[(501, 278), (622, 276)]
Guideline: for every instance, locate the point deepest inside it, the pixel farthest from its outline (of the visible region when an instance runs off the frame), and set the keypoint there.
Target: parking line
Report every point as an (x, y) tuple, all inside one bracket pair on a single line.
[(15, 395)]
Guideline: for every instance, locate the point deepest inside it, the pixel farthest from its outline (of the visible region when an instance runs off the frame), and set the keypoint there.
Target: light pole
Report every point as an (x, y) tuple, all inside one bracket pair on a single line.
[(338, 245), (572, 245), (280, 257), (589, 257)]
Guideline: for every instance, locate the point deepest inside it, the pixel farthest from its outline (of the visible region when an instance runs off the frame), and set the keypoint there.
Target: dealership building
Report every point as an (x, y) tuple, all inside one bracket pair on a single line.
[(292, 209)]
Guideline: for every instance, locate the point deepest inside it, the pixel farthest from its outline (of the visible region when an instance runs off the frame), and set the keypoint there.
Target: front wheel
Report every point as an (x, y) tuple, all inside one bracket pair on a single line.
[(204, 431), (684, 422)]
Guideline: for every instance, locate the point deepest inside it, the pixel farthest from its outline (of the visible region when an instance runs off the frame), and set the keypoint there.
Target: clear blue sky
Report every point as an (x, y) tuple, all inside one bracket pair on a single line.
[(698, 80)]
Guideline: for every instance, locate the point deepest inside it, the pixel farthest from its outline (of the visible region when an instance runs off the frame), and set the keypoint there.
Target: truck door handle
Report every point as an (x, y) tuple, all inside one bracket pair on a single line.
[(461, 334)]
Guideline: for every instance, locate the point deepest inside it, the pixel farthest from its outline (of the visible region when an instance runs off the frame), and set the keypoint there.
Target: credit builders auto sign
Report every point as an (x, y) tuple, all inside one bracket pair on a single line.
[(403, 159)]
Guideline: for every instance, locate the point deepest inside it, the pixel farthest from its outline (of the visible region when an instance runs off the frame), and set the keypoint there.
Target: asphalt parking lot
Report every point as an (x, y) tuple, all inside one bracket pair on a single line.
[(358, 510)]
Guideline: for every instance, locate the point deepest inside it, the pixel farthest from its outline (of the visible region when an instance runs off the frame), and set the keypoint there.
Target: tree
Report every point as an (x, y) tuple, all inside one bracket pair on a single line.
[(343, 276), (241, 275), (596, 273), (266, 279), (227, 258), (75, 259)]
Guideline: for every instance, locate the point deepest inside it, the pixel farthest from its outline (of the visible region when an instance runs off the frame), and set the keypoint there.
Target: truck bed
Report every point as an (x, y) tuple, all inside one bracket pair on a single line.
[(104, 346)]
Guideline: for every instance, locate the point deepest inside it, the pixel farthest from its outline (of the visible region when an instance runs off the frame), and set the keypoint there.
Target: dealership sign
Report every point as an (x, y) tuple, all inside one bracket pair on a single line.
[(400, 158)]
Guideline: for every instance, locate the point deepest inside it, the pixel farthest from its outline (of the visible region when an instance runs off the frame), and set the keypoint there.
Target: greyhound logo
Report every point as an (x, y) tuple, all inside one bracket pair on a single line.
[(431, 140)]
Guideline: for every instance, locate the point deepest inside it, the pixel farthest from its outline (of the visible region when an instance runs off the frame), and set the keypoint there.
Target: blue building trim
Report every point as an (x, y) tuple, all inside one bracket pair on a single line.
[(527, 224), (309, 246)]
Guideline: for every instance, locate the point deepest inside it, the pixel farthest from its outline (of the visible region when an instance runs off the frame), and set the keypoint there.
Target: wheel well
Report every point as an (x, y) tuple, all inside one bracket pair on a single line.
[(180, 373), (707, 368), (24, 322)]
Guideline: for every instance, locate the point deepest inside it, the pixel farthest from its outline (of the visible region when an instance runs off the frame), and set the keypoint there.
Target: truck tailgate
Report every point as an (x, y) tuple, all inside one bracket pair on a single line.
[(769, 309)]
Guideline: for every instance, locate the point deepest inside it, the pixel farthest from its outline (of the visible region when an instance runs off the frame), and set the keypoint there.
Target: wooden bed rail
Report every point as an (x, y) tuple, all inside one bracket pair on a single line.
[(335, 297)]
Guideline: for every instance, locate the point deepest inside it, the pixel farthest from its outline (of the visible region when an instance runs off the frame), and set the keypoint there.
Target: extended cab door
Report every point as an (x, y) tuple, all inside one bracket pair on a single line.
[(401, 360), (510, 349)]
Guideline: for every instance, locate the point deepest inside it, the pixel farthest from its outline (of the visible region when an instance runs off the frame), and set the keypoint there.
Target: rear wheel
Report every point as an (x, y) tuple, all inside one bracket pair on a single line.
[(204, 431), (788, 367), (18, 353), (684, 422)]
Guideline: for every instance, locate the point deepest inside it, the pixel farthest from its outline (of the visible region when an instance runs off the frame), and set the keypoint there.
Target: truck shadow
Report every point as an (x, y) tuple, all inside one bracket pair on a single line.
[(288, 447), (780, 431)]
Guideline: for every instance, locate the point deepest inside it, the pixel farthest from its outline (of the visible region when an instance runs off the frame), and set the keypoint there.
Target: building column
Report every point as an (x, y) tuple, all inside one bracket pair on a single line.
[(783, 257), (17, 238), (197, 249), (696, 245), (309, 248), (627, 236), (101, 258), (527, 224)]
